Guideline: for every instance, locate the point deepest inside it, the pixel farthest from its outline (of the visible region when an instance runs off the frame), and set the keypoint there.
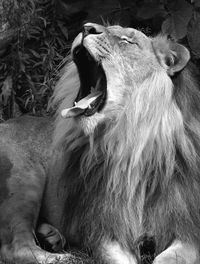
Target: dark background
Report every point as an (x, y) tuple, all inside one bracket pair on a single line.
[(35, 37)]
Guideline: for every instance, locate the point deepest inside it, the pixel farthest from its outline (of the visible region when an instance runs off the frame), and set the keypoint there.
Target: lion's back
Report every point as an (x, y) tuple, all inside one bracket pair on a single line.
[(26, 132)]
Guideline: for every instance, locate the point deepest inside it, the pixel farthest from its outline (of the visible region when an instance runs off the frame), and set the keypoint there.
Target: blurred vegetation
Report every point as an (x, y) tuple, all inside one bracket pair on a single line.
[(31, 60), (35, 37)]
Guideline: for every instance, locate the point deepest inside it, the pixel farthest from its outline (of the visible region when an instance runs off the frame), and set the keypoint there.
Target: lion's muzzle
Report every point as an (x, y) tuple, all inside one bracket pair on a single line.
[(92, 93)]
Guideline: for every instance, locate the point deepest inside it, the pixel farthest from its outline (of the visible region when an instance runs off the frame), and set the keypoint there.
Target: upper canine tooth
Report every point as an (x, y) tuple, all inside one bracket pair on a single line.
[(89, 107)]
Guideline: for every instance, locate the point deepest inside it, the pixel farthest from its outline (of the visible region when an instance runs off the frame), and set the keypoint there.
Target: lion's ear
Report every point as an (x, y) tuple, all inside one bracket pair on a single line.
[(171, 55)]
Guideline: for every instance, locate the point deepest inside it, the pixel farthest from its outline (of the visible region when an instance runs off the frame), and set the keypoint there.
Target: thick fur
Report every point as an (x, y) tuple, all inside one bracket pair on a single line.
[(109, 180), (138, 173)]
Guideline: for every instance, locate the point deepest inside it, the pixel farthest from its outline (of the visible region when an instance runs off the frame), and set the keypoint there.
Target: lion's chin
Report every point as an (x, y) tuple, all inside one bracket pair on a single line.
[(89, 123)]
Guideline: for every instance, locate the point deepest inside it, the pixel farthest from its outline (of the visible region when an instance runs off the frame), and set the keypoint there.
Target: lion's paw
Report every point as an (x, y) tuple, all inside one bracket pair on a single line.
[(178, 253), (51, 237), (170, 259), (32, 255)]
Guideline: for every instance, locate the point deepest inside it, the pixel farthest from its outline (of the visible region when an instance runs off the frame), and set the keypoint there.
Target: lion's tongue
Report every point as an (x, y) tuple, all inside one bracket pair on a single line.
[(80, 106)]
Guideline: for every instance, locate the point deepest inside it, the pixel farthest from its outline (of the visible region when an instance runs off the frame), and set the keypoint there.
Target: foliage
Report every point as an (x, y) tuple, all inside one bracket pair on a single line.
[(42, 30), (30, 65), (180, 19)]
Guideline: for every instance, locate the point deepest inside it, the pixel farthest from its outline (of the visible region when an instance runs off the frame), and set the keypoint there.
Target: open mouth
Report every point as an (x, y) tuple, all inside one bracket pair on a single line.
[(92, 94)]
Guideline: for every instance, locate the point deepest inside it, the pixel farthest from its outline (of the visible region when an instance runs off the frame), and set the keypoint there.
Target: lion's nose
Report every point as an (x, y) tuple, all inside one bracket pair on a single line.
[(91, 28)]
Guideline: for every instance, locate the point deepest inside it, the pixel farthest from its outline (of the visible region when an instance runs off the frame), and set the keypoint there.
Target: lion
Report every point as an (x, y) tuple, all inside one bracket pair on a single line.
[(119, 162)]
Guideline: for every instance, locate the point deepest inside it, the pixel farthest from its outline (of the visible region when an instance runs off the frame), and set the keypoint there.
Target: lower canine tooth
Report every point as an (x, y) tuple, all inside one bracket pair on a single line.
[(92, 90)]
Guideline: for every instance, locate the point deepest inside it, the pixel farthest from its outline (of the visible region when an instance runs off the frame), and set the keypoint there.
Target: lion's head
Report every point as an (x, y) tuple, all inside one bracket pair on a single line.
[(112, 63)]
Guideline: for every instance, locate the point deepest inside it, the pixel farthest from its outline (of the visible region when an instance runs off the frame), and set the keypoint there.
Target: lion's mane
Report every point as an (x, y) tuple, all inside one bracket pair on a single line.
[(139, 174)]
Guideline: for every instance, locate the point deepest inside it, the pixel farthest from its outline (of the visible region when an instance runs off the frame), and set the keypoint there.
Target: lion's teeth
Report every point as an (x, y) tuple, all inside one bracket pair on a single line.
[(89, 107), (97, 86), (75, 103), (98, 83), (92, 90)]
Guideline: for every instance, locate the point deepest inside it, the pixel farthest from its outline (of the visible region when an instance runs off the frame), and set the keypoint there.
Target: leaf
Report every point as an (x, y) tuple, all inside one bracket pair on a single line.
[(16, 110), (37, 55), (44, 21), (193, 35), (150, 10), (6, 91), (180, 13)]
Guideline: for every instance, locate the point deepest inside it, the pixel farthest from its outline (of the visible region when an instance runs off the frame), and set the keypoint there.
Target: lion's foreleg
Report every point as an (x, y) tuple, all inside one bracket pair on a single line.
[(179, 253), (21, 192), (23, 186), (113, 253)]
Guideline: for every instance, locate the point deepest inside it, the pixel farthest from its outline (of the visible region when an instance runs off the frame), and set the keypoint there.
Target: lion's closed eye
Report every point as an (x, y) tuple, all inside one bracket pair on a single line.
[(129, 40)]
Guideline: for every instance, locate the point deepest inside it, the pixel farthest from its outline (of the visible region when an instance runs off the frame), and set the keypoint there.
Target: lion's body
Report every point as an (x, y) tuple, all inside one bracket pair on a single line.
[(108, 178)]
